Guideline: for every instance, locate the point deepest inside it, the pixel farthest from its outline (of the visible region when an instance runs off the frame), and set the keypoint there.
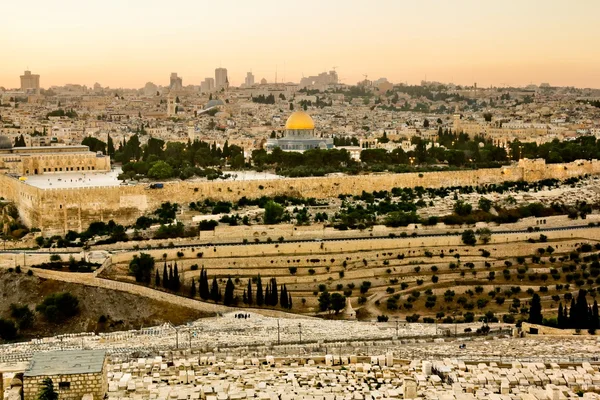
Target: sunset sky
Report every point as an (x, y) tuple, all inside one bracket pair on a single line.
[(126, 43)]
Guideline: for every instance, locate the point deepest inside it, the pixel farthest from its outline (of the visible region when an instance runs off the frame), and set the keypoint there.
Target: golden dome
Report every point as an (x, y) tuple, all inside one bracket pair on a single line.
[(299, 120)]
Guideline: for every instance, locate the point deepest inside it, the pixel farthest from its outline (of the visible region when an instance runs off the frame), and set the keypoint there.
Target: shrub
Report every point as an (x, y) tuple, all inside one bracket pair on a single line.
[(382, 318), (412, 318), (8, 330), (58, 307)]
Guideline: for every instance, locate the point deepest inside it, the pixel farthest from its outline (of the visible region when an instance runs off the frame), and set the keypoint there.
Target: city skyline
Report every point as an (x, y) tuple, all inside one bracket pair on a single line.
[(126, 45)]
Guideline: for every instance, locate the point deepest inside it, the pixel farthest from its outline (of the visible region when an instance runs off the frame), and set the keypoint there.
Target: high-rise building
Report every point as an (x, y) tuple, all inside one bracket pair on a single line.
[(249, 79), (30, 82), (321, 80), (176, 82), (207, 86), (221, 80)]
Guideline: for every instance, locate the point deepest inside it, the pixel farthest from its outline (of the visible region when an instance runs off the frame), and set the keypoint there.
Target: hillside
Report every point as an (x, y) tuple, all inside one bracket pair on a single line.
[(123, 310)]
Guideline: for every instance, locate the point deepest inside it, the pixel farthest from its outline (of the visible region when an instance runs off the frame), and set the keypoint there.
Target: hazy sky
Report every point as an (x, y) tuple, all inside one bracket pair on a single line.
[(126, 43)]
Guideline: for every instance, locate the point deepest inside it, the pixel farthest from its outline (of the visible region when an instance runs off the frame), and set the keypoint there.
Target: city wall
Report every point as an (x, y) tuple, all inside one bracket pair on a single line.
[(55, 211)]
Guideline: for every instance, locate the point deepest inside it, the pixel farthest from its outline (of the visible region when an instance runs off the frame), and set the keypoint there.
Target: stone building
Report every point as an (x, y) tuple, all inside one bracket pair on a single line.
[(73, 373), (300, 135), (25, 161)]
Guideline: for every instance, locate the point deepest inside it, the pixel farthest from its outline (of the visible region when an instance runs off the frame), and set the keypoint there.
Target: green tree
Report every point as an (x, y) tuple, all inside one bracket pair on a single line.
[(324, 301), (160, 170), (485, 235), (141, 267), (47, 391), (461, 208), (20, 141), (338, 302), (468, 237), (273, 213), (485, 204), (94, 144)]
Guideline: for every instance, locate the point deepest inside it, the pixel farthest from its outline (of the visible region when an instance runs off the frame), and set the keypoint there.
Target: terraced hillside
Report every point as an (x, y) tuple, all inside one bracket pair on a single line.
[(434, 277)]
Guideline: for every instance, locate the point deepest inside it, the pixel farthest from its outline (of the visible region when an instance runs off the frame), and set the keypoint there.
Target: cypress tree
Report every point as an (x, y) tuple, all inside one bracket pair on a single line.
[(289, 301), (165, 280), (203, 285), (214, 291), (274, 296), (595, 318), (561, 316), (110, 146), (572, 314), (157, 279), (581, 320), (193, 289), (267, 298), (260, 300), (283, 297), (249, 292), (535, 310), (229, 289), (170, 286), (176, 283), (245, 297)]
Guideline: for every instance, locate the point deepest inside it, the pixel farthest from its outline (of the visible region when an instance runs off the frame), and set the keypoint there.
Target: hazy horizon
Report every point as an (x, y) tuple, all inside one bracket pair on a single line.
[(465, 41)]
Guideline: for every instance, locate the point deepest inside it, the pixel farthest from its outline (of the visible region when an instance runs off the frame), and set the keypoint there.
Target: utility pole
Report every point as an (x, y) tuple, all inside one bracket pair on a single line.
[(300, 331), (278, 337), (396, 329)]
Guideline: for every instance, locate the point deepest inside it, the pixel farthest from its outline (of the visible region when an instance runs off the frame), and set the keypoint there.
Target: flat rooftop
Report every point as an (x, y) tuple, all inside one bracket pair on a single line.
[(74, 179), (66, 362), (105, 179)]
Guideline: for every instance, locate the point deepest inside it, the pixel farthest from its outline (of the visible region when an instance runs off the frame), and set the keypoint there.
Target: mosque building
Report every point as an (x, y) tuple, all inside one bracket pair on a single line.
[(299, 135), (24, 161)]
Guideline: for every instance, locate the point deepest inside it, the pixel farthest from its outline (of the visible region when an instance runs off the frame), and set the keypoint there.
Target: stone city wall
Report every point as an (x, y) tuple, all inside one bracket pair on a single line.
[(56, 211)]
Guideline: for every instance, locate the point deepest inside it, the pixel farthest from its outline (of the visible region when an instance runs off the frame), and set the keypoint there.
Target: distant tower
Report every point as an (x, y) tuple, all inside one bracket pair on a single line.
[(30, 82), (249, 79), (221, 81), (171, 105), (175, 82)]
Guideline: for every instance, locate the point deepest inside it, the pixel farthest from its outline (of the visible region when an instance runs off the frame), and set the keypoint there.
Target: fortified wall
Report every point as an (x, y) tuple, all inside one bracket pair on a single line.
[(55, 211)]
